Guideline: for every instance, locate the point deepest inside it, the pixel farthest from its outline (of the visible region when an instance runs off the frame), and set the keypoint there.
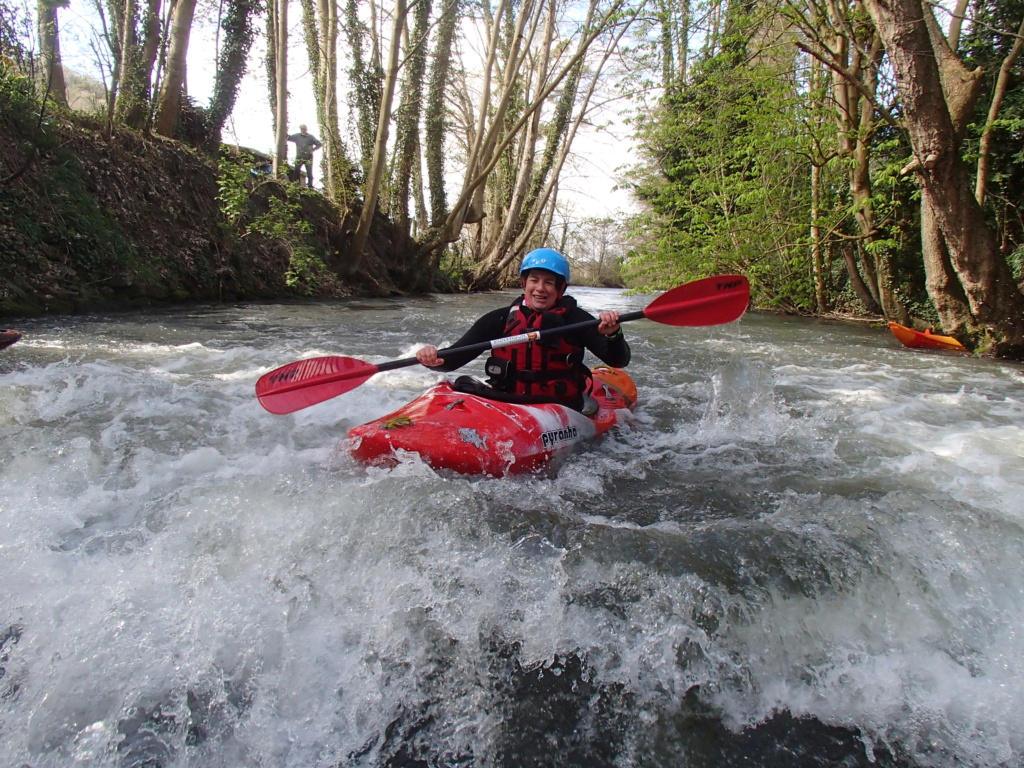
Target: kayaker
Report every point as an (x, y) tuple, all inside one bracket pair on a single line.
[(550, 370)]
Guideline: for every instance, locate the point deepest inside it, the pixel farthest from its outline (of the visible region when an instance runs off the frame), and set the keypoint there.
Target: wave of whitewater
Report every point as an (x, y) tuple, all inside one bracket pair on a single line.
[(807, 552)]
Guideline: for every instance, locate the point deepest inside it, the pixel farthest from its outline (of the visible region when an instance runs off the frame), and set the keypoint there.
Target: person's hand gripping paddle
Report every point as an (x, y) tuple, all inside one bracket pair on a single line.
[(711, 301)]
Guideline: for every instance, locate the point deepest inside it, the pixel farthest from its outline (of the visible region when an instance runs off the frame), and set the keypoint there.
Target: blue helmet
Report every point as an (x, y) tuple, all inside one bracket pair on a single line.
[(546, 258)]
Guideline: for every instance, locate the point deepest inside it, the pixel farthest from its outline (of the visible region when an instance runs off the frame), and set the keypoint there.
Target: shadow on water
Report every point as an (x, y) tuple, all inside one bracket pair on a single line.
[(553, 714), (547, 714)]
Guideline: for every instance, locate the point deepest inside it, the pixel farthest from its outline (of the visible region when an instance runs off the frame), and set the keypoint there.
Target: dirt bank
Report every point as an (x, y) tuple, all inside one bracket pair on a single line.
[(94, 219)]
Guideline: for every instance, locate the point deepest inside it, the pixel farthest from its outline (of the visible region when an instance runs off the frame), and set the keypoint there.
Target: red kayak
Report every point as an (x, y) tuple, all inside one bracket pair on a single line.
[(924, 339), (476, 436), (8, 337)]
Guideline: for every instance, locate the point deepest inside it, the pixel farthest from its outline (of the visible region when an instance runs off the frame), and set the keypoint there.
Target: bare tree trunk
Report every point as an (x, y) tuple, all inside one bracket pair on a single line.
[(170, 95), (281, 85), (817, 74), (434, 117), (320, 26), (49, 46), (816, 267), (161, 62), (373, 180), (367, 78), (956, 23), (486, 138), (683, 42), (938, 93), (409, 119), (667, 49), (238, 26), (138, 116), (270, 63), (849, 250), (129, 59), (985, 145), (113, 37)]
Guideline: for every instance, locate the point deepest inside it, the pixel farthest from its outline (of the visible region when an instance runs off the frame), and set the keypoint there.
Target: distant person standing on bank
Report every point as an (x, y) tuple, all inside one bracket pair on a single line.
[(305, 145)]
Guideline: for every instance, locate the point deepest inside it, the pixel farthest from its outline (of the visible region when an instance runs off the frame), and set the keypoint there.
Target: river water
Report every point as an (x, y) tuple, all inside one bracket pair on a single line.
[(806, 551)]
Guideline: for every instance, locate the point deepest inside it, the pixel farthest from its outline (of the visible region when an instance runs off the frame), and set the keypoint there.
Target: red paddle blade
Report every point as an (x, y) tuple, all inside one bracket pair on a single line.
[(711, 301), (308, 382)]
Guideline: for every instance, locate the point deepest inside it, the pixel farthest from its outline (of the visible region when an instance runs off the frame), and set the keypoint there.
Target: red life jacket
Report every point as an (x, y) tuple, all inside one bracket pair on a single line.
[(549, 368)]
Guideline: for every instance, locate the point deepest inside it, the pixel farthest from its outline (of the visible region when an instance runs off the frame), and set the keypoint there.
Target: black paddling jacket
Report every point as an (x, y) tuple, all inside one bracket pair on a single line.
[(550, 370)]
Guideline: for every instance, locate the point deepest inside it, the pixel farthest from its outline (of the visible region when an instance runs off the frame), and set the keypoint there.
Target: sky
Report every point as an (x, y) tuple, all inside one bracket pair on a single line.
[(587, 189)]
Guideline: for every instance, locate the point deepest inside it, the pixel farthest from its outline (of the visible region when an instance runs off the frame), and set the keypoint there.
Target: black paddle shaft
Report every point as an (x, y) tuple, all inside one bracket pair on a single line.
[(509, 341)]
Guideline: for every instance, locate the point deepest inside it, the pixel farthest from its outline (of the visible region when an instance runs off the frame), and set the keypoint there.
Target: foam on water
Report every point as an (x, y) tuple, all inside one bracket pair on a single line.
[(804, 519)]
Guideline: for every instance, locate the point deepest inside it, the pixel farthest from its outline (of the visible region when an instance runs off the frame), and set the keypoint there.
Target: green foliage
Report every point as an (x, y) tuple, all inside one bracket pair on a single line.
[(57, 210), (305, 270), (1016, 261), (281, 219), (234, 187), (455, 270), (726, 180), (987, 41), (15, 34), (19, 99), (284, 220)]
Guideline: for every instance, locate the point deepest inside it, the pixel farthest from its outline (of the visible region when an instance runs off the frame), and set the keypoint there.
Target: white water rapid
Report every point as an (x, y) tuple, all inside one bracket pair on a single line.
[(808, 552)]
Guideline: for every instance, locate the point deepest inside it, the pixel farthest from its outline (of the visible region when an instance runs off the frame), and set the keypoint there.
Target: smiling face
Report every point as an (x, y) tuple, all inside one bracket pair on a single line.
[(540, 289)]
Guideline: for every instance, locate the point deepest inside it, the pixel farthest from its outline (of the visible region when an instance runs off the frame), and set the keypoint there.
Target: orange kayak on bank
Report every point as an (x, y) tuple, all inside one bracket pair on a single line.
[(924, 339)]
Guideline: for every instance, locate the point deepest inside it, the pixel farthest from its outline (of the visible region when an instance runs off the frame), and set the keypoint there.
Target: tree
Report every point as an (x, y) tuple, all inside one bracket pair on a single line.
[(320, 25), (408, 124), (727, 171), (842, 37), (366, 75), (169, 107), (996, 128), (1002, 85), (135, 55), (376, 172), (239, 33), (526, 216), (49, 46), (277, 66), (968, 279), (499, 126), (434, 114), (596, 247)]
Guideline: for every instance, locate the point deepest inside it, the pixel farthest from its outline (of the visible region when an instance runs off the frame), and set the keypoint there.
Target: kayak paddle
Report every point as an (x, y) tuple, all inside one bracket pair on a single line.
[(711, 301)]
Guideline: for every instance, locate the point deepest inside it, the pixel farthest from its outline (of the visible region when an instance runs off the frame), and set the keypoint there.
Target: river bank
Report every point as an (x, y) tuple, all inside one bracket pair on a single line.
[(94, 218)]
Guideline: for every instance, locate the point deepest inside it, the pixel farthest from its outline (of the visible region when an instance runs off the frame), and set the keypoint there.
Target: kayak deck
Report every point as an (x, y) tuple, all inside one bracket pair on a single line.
[(924, 339), (472, 435)]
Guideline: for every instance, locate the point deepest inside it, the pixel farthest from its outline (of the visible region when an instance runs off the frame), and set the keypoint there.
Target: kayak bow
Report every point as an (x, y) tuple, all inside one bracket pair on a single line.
[(472, 435)]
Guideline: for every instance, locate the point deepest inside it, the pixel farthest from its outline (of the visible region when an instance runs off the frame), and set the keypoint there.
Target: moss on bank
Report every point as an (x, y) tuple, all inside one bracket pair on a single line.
[(96, 219)]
